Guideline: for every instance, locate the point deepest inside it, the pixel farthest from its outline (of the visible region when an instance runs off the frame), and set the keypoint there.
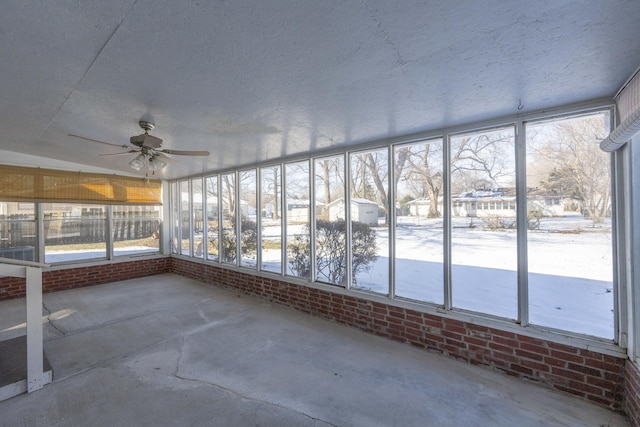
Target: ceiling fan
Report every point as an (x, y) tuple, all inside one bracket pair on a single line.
[(148, 148)]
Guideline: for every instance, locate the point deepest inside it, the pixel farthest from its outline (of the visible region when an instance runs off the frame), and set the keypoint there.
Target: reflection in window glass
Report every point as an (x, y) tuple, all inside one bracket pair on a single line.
[(185, 216), (419, 236), (248, 226), (228, 200), (18, 231), (74, 232), (331, 247), (298, 214), (369, 221), (271, 218), (136, 229), (211, 184), (197, 217), (483, 242), (569, 236)]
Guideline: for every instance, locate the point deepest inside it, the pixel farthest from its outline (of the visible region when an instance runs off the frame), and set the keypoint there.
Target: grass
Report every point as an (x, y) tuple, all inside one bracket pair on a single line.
[(148, 242)]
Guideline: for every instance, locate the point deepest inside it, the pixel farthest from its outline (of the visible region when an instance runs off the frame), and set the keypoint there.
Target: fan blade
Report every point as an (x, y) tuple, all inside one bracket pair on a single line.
[(184, 153), (116, 154), (99, 142), (164, 157)]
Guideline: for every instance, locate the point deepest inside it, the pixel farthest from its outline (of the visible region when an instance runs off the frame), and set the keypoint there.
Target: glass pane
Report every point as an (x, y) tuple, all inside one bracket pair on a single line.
[(483, 239), (248, 227), (74, 232), (185, 216), (18, 231), (419, 236), (197, 217), (271, 214), (369, 221), (228, 199), (331, 247), (136, 229), (213, 238), (175, 218), (569, 225), (298, 232)]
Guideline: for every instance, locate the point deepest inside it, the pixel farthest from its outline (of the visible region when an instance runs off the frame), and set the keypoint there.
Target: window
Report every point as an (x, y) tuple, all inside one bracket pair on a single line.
[(248, 217), (456, 240), (330, 236), (185, 218), (271, 218), (212, 213), (483, 248), (370, 216), (419, 240), (298, 210), (136, 229), (18, 231), (74, 232), (175, 218), (228, 201), (197, 217), (569, 245)]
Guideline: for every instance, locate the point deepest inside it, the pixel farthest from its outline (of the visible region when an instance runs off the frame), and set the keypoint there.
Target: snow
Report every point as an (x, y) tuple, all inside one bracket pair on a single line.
[(570, 275)]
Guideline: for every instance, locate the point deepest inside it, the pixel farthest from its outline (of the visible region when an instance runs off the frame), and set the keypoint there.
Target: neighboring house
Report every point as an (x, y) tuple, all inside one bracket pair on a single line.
[(362, 210), (298, 210), (419, 207), (500, 202)]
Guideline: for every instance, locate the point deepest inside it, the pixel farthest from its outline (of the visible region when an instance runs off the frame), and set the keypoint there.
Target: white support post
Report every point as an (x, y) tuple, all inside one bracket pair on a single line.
[(36, 378)]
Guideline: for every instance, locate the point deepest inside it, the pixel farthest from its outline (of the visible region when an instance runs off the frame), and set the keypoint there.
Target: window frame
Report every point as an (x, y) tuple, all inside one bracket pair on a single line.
[(518, 123)]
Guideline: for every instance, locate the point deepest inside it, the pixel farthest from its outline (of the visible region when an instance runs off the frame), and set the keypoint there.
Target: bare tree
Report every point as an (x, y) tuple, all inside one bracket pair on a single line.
[(578, 168), (483, 160), (424, 173), (271, 188), (329, 176)]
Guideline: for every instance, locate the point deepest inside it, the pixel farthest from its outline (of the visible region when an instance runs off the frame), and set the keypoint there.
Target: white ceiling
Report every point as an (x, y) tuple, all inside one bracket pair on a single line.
[(251, 80)]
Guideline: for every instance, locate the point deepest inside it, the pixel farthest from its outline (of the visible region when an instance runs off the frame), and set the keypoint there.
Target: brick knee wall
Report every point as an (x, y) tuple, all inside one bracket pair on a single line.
[(78, 277), (601, 378), (593, 376), (632, 393)]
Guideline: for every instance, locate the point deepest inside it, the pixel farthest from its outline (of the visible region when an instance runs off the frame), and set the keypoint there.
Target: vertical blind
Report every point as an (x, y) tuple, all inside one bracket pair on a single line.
[(49, 185)]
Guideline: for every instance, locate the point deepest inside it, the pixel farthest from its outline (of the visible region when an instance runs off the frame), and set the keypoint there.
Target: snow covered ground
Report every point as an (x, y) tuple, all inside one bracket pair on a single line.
[(570, 273)]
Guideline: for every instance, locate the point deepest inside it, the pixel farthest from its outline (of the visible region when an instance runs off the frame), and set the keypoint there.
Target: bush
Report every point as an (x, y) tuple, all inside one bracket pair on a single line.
[(331, 251), (496, 222), (533, 219), (248, 240)]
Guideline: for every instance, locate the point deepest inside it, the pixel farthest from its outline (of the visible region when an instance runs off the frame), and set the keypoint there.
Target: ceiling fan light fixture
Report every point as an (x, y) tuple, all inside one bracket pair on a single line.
[(156, 163), (138, 163)]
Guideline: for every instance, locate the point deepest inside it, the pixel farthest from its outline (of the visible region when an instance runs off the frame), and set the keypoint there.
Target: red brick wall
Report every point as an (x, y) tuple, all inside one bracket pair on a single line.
[(77, 277), (588, 374), (632, 393)]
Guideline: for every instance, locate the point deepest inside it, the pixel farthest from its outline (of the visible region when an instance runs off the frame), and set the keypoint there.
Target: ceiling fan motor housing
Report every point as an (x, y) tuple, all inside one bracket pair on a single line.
[(146, 140)]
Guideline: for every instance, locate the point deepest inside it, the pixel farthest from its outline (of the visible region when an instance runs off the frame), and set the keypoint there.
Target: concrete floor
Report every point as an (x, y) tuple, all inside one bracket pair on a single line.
[(166, 350)]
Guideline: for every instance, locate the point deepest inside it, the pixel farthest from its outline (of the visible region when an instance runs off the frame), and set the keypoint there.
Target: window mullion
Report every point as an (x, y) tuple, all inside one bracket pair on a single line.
[(391, 226), (521, 224), (446, 186)]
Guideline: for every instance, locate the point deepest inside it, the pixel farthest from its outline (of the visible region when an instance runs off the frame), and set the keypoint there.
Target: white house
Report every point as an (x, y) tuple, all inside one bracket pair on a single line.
[(362, 210)]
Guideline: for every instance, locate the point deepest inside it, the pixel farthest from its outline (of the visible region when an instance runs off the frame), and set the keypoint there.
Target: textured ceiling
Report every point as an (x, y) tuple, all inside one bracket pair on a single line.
[(251, 80)]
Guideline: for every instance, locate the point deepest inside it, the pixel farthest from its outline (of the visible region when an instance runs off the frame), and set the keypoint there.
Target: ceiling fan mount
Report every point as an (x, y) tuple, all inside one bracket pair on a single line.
[(146, 126)]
